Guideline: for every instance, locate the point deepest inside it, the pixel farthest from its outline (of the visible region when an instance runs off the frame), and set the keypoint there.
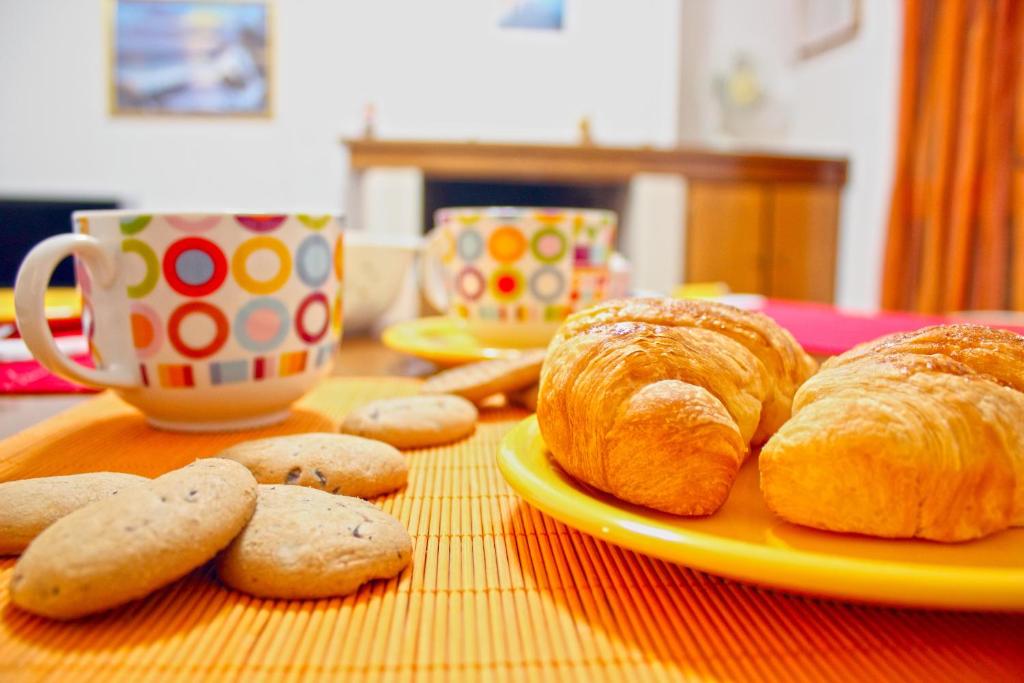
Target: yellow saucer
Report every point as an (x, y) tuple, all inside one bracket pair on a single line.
[(442, 340), (744, 541)]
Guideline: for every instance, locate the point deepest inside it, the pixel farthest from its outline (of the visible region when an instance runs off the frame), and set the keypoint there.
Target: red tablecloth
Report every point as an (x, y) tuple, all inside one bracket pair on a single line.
[(29, 377), (821, 329), (826, 330), (26, 376)]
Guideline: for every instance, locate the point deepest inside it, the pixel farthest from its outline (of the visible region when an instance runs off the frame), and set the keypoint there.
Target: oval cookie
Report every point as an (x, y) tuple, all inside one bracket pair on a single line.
[(477, 381), (305, 543), (413, 421), (336, 463), (28, 506), (126, 546)]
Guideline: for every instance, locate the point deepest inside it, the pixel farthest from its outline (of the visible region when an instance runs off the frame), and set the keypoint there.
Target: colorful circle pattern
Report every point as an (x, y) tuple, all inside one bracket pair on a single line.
[(261, 324), (131, 225), (197, 308), (470, 283), (151, 263), (260, 222), (339, 258), (147, 330), (193, 224), (313, 260), (307, 335), (194, 266), (314, 222), (197, 267), (547, 284), (506, 284), (527, 259), (240, 268), (336, 315), (549, 245), (506, 244), (470, 245)]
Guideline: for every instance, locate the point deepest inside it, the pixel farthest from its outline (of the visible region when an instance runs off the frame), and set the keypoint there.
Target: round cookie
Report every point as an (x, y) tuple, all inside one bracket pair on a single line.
[(525, 398), (305, 543), (336, 463), (28, 506), (477, 381), (126, 546), (413, 421)]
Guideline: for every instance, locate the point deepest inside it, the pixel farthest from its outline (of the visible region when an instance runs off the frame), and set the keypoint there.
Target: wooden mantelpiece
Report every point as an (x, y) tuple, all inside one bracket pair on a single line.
[(575, 163), (764, 223)]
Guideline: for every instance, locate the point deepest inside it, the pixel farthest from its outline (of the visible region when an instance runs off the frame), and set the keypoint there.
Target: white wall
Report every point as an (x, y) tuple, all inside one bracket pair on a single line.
[(441, 69), (841, 102), (437, 69), (848, 100)]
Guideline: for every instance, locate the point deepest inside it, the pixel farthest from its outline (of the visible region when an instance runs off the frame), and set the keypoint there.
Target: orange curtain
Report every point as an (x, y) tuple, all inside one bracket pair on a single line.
[(956, 222)]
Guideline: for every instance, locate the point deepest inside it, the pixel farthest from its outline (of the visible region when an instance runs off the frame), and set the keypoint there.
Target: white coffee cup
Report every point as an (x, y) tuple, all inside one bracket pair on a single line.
[(203, 321), (513, 274)]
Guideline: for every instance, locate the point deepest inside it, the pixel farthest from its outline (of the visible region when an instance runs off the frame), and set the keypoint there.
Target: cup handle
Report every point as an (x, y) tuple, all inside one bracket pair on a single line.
[(431, 271), (29, 307)]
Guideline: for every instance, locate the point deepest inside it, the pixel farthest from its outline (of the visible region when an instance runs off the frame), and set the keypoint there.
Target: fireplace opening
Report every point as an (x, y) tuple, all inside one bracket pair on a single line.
[(442, 193)]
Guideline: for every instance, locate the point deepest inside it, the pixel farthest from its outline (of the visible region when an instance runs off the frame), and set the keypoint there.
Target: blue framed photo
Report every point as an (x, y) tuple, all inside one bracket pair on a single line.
[(544, 15), (176, 57)]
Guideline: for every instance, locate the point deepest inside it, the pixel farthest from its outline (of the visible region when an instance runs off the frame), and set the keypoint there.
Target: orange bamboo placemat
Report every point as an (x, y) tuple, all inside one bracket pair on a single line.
[(496, 591)]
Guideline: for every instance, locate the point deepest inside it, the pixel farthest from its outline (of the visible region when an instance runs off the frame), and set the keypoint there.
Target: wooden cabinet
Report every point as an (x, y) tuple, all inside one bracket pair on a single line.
[(776, 239), (724, 236)]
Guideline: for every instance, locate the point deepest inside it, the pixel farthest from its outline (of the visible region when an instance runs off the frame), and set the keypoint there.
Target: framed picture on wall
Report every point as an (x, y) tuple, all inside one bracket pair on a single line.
[(178, 57), (826, 24), (537, 15)]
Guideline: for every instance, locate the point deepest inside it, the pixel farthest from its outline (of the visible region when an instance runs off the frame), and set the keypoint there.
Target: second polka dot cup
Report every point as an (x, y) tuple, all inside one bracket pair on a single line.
[(513, 274), (203, 321)]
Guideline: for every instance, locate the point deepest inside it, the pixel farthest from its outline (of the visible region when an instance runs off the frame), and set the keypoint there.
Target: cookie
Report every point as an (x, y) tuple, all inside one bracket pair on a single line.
[(30, 505), (304, 543), (336, 463), (123, 547), (413, 421), (525, 398), (477, 381)]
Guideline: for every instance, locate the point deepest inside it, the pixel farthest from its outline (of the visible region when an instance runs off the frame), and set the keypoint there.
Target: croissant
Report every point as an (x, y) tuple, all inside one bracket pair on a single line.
[(657, 401), (914, 435)]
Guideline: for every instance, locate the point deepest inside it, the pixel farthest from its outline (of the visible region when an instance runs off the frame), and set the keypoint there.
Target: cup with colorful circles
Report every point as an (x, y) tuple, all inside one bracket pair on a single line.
[(513, 274), (203, 321)]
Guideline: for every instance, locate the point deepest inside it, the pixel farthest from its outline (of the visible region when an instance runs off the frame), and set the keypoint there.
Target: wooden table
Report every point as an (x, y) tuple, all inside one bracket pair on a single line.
[(496, 590), (358, 356)]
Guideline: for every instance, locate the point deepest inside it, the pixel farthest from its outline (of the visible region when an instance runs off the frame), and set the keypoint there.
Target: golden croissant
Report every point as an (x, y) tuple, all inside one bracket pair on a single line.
[(915, 435), (657, 401)]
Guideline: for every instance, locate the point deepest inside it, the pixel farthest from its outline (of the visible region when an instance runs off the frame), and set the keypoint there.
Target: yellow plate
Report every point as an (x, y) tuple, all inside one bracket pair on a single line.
[(745, 541), (441, 340), (60, 302)]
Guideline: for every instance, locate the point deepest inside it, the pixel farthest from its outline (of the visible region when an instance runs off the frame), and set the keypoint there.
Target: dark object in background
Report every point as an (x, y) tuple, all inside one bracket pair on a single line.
[(440, 193), (26, 222)]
